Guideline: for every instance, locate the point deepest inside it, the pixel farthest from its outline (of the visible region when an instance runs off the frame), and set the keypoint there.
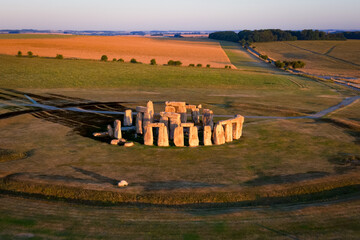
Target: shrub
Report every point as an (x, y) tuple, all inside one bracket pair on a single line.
[(19, 54), (133, 60), (199, 65), (208, 66), (30, 54), (152, 62), (174, 63), (104, 58), (114, 59), (279, 64), (229, 67), (191, 65), (226, 66), (265, 57), (121, 60), (59, 56)]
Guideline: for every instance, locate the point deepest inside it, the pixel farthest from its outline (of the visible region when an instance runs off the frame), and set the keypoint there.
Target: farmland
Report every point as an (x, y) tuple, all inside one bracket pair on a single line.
[(143, 49), (330, 58), (295, 178)]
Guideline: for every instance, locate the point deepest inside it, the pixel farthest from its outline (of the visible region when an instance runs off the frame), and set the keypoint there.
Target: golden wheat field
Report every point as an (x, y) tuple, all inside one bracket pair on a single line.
[(143, 49)]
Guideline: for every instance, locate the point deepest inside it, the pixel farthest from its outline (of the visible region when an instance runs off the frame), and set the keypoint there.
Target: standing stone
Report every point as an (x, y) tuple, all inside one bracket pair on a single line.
[(146, 119), (128, 118), (150, 109), (117, 129), (237, 131), (165, 120), (219, 135), (195, 115), (193, 137), (139, 123), (182, 111), (163, 137), (170, 109), (110, 131), (207, 136), (174, 123), (228, 132), (208, 116), (179, 136), (148, 136)]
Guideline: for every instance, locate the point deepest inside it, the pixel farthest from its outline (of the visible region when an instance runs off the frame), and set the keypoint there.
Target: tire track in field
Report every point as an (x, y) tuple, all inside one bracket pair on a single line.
[(331, 49), (335, 58)]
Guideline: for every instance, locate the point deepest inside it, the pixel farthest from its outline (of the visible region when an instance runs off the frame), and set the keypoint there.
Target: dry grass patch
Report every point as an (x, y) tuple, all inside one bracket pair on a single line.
[(340, 58), (143, 49)]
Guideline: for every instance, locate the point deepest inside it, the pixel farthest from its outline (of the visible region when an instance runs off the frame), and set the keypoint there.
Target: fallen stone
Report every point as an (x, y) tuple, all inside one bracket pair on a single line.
[(102, 134), (117, 129), (129, 144), (123, 183), (115, 142), (128, 118)]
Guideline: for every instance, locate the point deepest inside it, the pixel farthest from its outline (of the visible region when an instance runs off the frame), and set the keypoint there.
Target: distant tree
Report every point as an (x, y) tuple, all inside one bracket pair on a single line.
[(265, 57), (225, 35), (121, 60), (226, 66), (208, 65), (199, 65), (191, 65), (19, 54), (153, 62), (279, 64), (59, 56), (104, 58), (114, 59), (133, 60), (174, 63), (30, 54)]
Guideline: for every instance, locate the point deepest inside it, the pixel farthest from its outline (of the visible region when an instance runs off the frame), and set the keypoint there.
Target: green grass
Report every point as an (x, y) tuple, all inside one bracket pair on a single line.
[(295, 172), (52, 73)]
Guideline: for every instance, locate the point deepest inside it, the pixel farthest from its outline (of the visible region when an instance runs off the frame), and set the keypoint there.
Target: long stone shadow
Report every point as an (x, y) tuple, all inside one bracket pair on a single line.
[(82, 123), (278, 179), (98, 177)]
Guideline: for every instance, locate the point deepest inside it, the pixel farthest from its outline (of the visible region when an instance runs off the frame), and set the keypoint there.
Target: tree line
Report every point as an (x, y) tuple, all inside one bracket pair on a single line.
[(271, 35)]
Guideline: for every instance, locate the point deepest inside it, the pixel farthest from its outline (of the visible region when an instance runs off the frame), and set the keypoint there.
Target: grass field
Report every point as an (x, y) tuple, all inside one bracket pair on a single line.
[(294, 179), (143, 49), (337, 58)]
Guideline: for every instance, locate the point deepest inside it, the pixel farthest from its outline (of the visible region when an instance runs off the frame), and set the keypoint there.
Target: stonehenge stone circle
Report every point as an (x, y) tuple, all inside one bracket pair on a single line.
[(172, 127)]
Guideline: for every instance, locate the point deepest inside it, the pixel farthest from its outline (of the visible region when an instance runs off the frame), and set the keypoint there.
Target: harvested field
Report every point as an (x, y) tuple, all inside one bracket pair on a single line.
[(143, 49), (337, 58)]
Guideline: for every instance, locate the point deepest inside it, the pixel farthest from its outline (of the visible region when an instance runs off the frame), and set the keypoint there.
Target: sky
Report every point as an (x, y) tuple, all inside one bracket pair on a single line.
[(133, 15)]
